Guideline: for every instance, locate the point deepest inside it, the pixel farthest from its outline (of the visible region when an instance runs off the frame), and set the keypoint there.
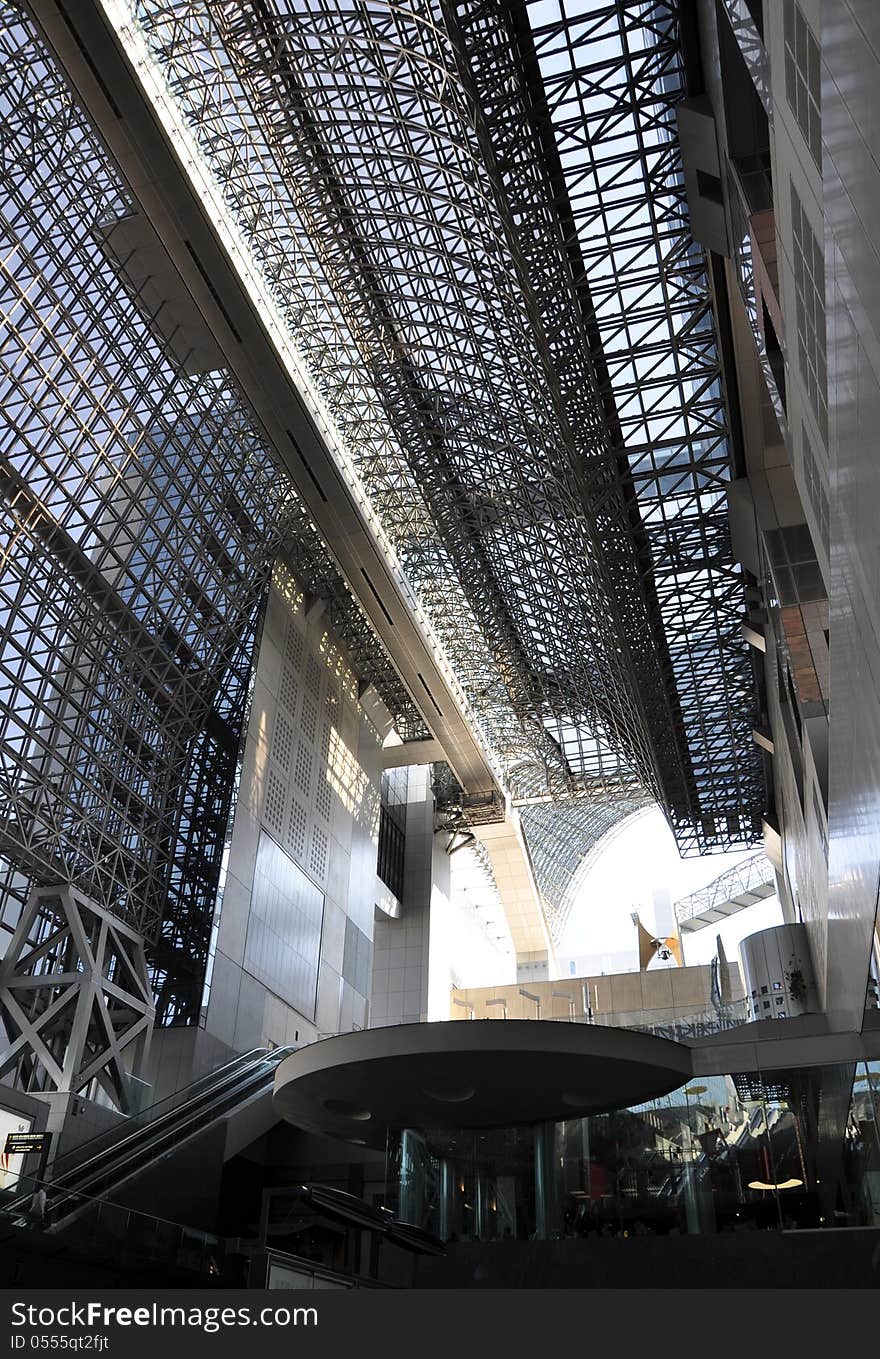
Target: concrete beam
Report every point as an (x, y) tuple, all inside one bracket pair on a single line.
[(410, 752), (517, 887)]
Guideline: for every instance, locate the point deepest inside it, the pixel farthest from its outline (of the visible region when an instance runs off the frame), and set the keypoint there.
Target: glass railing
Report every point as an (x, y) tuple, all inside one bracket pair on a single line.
[(674, 1021), (130, 1238)]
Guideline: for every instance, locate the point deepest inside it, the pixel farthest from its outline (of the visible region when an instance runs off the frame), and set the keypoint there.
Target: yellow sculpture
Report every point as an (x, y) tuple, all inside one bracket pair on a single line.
[(651, 947)]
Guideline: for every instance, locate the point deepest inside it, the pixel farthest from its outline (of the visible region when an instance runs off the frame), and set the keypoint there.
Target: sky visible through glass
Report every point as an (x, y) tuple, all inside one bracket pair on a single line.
[(639, 869)]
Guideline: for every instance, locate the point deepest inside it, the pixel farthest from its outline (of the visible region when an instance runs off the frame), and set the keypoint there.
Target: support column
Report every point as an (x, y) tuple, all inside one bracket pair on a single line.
[(76, 999), (402, 946), (448, 1185), (412, 1178), (547, 1183)]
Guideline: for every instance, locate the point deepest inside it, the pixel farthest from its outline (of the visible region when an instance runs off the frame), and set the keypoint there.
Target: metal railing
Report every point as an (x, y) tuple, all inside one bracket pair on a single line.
[(151, 1114)]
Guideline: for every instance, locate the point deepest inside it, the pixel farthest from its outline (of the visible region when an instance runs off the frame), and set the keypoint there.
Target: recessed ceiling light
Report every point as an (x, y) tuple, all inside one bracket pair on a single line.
[(450, 1094), (343, 1108)]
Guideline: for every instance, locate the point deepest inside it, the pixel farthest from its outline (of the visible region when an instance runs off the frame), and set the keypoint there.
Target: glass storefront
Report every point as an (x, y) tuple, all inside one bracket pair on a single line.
[(862, 1147), (782, 1150)]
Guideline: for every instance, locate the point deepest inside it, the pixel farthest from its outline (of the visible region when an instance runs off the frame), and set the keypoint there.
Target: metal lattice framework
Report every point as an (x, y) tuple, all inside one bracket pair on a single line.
[(472, 218), (140, 515), (76, 999), (611, 74), (562, 837), (474, 222), (428, 384)]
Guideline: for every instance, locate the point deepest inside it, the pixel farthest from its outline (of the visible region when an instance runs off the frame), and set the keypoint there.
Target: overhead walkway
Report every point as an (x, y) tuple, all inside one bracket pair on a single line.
[(742, 886)]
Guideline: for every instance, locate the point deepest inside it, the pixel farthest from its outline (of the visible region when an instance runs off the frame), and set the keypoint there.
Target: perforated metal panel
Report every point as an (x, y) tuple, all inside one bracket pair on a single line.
[(284, 928)]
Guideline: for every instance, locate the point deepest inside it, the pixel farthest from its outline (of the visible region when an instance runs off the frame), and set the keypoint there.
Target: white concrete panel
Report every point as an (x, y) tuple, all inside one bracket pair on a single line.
[(234, 917)]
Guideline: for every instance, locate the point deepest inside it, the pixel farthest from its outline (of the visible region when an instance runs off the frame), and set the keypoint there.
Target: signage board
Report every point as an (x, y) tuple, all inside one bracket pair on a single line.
[(14, 1123), (21, 1143)]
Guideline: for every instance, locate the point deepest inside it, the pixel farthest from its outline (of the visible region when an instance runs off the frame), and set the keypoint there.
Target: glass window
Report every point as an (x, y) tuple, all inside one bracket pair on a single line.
[(803, 81), (809, 273)]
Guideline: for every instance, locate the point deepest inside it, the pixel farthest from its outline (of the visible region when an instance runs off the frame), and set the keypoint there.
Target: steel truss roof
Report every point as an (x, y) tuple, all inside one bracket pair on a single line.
[(610, 75), (370, 217), (140, 515), (562, 837), (474, 220)]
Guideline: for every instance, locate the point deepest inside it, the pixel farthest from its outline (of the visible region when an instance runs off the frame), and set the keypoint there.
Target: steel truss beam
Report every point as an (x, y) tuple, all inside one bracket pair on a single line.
[(545, 441)]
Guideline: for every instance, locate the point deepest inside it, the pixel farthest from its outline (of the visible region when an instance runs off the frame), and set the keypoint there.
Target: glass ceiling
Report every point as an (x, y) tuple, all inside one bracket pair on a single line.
[(611, 75), (472, 220)]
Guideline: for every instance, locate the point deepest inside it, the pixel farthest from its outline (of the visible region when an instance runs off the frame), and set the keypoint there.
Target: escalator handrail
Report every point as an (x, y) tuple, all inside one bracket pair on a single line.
[(212, 1087), (79, 1155), (146, 1131), (194, 1120)]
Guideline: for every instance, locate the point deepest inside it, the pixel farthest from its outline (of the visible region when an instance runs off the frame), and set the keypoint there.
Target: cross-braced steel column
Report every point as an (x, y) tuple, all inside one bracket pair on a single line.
[(75, 999)]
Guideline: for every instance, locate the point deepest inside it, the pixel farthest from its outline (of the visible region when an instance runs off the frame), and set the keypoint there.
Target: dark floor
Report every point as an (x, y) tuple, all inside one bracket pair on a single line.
[(804, 1259)]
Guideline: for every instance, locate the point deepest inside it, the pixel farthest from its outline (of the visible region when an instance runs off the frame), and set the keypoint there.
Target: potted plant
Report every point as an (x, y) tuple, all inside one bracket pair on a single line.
[(797, 982)]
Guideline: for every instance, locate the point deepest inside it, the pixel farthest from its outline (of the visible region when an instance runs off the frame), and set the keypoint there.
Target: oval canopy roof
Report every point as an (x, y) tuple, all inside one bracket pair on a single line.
[(483, 1074)]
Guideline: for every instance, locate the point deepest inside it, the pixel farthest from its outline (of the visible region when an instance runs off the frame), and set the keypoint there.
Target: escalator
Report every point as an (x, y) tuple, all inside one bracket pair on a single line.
[(98, 1169)]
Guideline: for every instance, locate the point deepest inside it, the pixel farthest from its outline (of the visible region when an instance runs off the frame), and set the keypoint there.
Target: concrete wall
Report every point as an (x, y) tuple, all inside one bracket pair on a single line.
[(403, 946)]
